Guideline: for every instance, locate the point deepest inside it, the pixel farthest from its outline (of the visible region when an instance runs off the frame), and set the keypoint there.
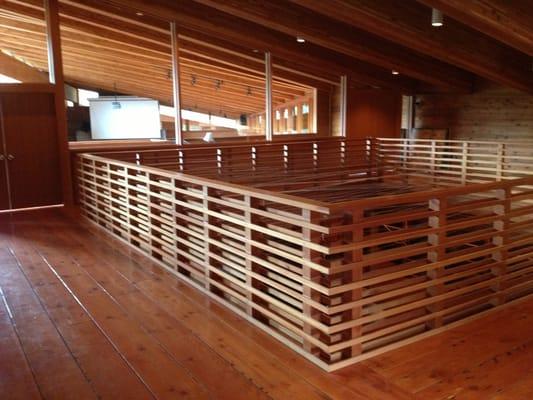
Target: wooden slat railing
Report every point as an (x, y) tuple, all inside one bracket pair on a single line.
[(456, 160), (338, 280)]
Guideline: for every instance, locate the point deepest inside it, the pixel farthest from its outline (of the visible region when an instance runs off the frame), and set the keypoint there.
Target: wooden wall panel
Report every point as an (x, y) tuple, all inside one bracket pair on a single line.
[(29, 124), (4, 194), (323, 113), (336, 111), (492, 113), (372, 112)]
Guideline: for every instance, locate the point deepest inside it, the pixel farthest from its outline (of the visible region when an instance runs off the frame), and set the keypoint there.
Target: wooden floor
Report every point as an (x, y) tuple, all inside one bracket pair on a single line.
[(81, 318)]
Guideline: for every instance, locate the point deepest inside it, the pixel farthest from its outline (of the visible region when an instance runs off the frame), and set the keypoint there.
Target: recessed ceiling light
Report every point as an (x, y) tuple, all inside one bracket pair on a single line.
[(436, 17), (300, 39), (395, 72), (138, 13), (255, 51)]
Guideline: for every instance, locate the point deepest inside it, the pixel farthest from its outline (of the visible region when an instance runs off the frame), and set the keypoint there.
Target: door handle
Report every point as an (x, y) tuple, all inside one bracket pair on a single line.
[(2, 157), (10, 157)]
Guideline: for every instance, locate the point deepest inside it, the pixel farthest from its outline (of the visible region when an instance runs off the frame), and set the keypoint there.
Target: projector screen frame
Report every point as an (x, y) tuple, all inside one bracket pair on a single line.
[(134, 118)]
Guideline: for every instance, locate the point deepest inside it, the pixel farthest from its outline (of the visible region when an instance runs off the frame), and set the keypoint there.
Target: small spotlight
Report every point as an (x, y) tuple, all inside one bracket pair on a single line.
[(300, 39), (255, 51), (139, 14), (395, 72), (436, 17)]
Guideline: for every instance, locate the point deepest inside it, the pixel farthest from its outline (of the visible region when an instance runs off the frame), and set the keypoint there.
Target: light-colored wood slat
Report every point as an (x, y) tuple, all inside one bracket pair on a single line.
[(427, 253)]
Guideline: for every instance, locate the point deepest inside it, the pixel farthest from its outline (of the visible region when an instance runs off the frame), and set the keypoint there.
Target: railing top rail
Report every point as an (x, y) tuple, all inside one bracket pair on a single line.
[(209, 146), (458, 141)]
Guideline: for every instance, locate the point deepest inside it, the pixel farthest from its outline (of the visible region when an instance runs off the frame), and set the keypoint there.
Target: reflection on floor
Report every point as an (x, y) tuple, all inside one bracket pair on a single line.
[(81, 317)]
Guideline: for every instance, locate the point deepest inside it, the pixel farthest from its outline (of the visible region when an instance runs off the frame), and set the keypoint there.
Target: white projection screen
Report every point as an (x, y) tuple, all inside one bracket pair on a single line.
[(124, 118)]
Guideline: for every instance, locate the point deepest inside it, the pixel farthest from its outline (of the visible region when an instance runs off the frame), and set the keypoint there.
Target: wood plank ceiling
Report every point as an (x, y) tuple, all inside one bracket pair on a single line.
[(126, 43), (106, 50), (487, 39)]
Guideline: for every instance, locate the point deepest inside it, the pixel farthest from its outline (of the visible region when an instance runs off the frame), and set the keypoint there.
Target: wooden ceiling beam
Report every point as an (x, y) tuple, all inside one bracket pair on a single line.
[(453, 43), (13, 68), (209, 22), (111, 55), (509, 21), (95, 22), (103, 32), (95, 11), (294, 20)]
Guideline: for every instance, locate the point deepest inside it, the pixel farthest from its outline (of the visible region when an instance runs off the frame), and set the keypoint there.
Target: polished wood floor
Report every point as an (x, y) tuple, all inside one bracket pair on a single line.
[(81, 318)]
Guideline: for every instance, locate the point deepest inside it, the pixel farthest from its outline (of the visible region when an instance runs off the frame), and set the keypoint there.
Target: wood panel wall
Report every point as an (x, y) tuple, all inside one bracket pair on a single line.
[(336, 111), (493, 112), (323, 112), (373, 112)]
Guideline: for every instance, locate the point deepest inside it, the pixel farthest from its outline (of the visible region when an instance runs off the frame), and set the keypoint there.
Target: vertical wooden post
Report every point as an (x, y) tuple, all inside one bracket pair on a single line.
[(343, 104), (55, 71), (405, 152), (299, 118), (437, 240), (308, 274), (354, 275), (410, 115), (207, 220), (499, 161), (433, 161), (269, 127), (464, 163), (501, 239), (316, 155), (251, 250), (176, 87)]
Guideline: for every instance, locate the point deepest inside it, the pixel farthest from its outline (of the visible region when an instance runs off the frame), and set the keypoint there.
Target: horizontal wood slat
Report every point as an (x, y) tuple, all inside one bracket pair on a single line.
[(383, 258)]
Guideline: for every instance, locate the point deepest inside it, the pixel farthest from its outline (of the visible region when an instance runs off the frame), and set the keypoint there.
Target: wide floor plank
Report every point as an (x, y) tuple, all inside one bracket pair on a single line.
[(16, 377), (91, 348), (114, 325), (56, 371)]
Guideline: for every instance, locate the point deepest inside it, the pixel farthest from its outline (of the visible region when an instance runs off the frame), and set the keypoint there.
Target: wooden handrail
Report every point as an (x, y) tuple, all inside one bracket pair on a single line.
[(337, 278)]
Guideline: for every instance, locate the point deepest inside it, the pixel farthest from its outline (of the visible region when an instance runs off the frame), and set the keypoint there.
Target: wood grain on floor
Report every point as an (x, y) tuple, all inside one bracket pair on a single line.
[(83, 317)]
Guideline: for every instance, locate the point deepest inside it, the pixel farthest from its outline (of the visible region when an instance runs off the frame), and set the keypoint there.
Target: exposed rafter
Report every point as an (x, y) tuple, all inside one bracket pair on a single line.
[(210, 22), (294, 20), (509, 21), (113, 52), (453, 43)]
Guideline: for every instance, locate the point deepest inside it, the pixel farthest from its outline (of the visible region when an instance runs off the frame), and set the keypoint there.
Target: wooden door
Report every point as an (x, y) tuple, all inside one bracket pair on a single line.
[(4, 189), (29, 126), (371, 112)]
